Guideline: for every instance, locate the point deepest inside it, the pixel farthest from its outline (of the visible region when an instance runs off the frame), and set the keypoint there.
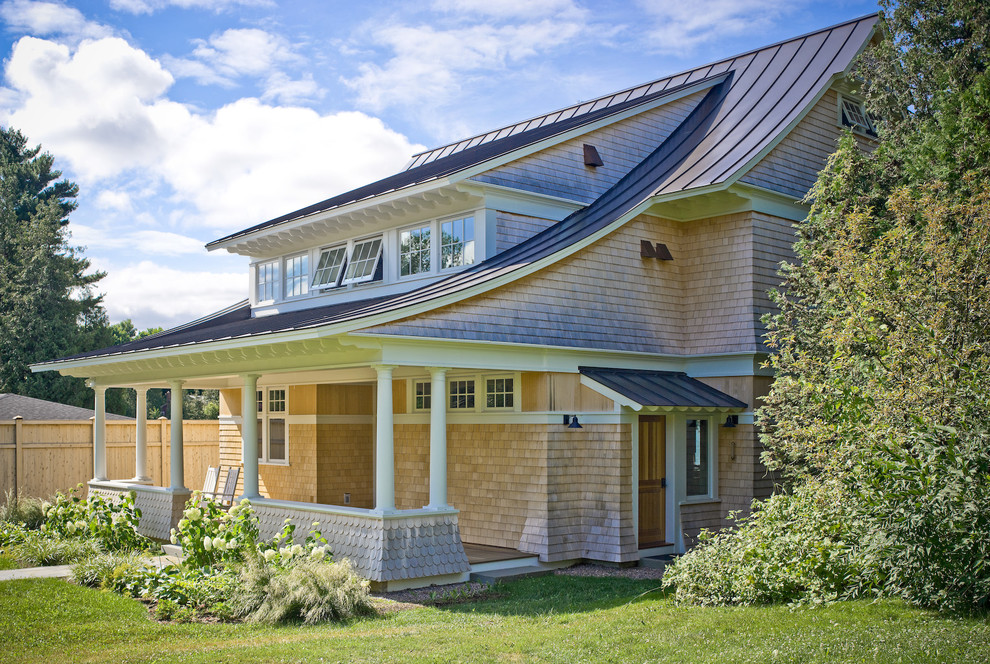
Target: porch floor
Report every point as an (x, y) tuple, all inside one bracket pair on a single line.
[(482, 553)]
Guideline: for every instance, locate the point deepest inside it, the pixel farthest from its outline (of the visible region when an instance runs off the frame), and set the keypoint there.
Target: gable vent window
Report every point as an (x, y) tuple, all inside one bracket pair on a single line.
[(364, 261), (457, 242), (267, 274), (297, 275), (854, 115), (330, 267)]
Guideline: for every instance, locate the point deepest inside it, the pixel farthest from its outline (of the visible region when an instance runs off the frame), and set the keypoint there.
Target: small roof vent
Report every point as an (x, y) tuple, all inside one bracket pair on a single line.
[(591, 156)]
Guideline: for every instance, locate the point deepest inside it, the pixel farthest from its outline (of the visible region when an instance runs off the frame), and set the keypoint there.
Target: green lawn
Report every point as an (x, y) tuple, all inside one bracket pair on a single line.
[(553, 619)]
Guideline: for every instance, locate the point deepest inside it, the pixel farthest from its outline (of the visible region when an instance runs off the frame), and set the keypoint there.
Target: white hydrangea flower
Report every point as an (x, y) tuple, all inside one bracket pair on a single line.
[(219, 543), (171, 536), (316, 524), (298, 551), (317, 554), (81, 525), (231, 545), (183, 523), (207, 543), (193, 513), (270, 554), (70, 528)]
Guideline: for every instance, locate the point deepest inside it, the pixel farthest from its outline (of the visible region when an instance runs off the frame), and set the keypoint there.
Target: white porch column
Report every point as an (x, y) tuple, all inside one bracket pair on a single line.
[(384, 444), (100, 434), (178, 475), (141, 435), (249, 435), (438, 439)]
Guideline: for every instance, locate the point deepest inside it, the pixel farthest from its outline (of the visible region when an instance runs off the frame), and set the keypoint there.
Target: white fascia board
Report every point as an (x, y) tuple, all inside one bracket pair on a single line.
[(533, 148), (618, 398), (520, 201), (325, 215)]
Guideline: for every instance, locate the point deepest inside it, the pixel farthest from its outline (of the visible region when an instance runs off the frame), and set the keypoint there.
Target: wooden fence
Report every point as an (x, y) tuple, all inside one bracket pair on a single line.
[(38, 458)]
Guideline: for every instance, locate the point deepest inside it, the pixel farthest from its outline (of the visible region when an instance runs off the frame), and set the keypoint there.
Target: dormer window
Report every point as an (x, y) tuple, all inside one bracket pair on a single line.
[(267, 281), (456, 242), (296, 275), (330, 267), (414, 251), (364, 261), (853, 115)]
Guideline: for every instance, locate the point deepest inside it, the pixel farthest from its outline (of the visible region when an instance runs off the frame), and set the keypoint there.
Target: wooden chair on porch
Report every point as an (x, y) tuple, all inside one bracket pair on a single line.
[(210, 483), (226, 496)]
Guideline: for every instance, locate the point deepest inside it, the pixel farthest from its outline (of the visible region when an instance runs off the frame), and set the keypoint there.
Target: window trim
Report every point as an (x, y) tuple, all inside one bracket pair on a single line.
[(427, 394), (264, 416), (474, 242), (480, 392)]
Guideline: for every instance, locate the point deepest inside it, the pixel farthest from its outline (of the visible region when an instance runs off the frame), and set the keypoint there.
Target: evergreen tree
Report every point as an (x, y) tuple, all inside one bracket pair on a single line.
[(48, 307)]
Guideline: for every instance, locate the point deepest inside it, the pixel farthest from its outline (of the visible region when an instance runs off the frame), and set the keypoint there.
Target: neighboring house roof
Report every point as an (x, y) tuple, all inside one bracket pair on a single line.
[(29, 408), (753, 100), (660, 388)]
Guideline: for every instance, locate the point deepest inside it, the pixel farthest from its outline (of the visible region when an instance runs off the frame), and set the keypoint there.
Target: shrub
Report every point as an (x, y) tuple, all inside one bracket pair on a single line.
[(20, 509), (210, 534), (114, 524), (38, 548), (310, 591), (802, 547)]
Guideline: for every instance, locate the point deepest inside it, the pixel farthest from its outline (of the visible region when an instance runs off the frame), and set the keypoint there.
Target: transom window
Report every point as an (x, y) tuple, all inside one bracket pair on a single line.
[(267, 280), (272, 429), (698, 458), (364, 261), (422, 395), (461, 394), (498, 393), (854, 115), (330, 267), (456, 242), (297, 275), (414, 251)]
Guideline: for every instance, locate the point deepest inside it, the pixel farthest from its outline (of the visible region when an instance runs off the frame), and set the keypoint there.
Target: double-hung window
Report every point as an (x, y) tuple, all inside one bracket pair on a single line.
[(698, 458), (363, 264), (456, 242), (461, 393), (296, 275), (414, 251), (266, 276), (422, 396), (499, 393), (273, 443)]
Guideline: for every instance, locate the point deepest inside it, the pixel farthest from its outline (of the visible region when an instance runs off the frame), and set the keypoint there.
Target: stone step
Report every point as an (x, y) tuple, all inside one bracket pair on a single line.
[(657, 562), (509, 574), (173, 550)]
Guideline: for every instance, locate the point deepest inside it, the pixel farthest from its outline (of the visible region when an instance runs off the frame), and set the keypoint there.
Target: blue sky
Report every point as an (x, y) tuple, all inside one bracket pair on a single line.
[(185, 120)]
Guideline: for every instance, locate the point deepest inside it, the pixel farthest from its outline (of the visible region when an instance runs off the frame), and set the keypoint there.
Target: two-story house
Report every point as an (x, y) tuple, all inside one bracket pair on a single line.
[(541, 343)]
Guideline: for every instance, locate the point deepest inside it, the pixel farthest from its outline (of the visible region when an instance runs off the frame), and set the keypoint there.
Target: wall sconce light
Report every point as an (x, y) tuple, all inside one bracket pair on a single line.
[(571, 422), (731, 422)]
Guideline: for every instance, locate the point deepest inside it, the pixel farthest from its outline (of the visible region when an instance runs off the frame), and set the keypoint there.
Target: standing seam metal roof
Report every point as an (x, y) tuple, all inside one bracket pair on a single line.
[(751, 100), (661, 388)]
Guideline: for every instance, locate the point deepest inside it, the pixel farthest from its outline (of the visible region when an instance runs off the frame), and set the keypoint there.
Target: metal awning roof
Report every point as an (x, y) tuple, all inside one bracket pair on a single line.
[(639, 388)]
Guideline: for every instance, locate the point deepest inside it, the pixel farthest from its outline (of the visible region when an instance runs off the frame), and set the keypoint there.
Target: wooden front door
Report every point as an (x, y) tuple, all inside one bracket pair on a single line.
[(652, 479)]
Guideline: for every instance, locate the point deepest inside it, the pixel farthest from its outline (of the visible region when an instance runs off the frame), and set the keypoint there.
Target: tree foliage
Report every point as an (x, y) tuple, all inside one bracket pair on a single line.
[(882, 337), (48, 307)]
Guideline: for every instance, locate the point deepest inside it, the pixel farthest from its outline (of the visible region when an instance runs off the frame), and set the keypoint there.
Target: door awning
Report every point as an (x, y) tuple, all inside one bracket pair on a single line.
[(639, 389)]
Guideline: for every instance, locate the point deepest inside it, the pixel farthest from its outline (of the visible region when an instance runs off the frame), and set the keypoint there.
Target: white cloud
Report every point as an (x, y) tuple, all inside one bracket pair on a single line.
[(234, 53), (507, 8), (428, 63), (110, 199), (244, 163), (145, 292), (158, 243), (50, 18), (678, 28), (279, 87), (150, 6)]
